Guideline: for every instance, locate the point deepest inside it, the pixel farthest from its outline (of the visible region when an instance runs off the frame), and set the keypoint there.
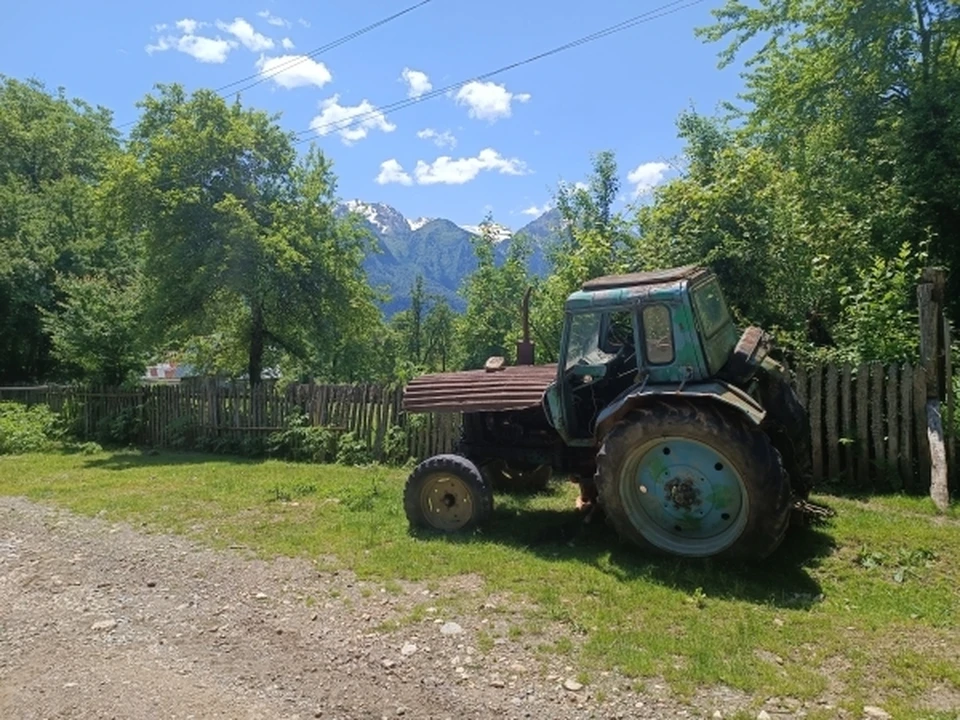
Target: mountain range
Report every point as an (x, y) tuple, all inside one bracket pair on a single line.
[(439, 249)]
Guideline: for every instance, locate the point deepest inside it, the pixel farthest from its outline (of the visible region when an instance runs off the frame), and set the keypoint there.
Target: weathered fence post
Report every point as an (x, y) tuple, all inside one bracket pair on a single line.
[(932, 356)]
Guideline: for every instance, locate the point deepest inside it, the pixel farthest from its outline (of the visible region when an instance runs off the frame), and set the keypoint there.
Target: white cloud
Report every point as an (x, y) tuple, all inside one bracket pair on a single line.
[(580, 185), (417, 82), (304, 23), (447, 171), (392, 171), (244, 32), (535, 211), (292, 71), (273, 19), (203, 49), (440, 139), (351, 123), (287, 44), (487, 100), (160, 27), (188, 26), (647, 176), (161, 45)]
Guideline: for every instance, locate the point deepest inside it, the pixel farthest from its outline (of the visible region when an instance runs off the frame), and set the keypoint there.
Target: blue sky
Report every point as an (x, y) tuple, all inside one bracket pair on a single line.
[(502, 145)]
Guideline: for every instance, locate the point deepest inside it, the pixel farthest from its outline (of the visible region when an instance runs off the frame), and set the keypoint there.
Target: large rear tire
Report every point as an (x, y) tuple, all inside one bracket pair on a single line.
[(447, 494), (693, 480)]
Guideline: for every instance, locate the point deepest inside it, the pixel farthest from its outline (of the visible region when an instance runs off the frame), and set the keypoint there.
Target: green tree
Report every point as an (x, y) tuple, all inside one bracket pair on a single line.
[(595, 241), (240, 237), (491, 324), (862, 99), (95, 330), (54, 152)]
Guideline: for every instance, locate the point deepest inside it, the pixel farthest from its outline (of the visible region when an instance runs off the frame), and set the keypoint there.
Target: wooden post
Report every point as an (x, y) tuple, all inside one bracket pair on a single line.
[(948, 373), (893, 428), (815, 409), (833, 436), (863, 426), (846, 420), (906, 426), (930, 303)]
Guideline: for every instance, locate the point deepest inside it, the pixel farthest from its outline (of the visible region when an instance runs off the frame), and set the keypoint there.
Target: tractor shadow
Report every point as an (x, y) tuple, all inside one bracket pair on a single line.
[(128, 459), (783, 580)]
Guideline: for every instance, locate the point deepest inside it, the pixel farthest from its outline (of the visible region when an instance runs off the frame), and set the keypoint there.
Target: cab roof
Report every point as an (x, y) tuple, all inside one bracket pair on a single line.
[(652, 277)]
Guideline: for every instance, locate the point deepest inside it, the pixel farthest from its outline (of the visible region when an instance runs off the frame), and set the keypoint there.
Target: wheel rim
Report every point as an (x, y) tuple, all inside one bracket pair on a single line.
[(446, 502), (684, 496)]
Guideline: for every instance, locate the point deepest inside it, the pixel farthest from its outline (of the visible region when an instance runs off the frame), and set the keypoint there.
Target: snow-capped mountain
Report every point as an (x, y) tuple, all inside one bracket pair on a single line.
[(436, 248)]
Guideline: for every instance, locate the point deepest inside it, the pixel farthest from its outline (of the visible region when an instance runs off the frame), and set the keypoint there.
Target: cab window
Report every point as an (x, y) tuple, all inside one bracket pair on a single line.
[(711, 308), (658, 334)]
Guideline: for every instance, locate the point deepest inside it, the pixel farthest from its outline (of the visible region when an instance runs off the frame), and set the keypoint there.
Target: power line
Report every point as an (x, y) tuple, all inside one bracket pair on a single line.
[(283, 67), (259, 77), (649, 16), (645, 17)]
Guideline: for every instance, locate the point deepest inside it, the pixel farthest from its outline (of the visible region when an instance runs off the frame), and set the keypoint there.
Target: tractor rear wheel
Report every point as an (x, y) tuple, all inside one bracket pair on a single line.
[(447, 493), (694, 480)]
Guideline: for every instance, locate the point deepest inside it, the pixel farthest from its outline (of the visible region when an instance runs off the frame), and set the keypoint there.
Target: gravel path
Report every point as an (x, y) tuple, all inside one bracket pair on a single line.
[(99, 620)]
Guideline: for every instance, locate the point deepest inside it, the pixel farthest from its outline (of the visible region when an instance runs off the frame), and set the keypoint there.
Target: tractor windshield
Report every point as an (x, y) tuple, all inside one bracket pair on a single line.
[(596, 338)]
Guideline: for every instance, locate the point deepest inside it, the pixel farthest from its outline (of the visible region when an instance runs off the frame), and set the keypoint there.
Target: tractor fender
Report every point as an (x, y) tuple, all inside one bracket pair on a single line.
[(716, 390)]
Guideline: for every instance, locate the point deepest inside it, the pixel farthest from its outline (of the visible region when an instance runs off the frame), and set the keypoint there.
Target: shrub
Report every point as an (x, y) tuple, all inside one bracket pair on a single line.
[(395, 446), (302, 442), (120, 428), (352, 450), (26, 429)]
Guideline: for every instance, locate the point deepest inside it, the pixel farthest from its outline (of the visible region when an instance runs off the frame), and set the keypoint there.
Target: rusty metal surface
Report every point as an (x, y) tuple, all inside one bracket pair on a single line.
[(652, 277), (512, 388)]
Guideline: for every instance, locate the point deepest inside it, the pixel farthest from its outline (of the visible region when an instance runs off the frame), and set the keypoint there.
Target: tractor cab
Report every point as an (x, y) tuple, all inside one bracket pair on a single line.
[(653, 328)]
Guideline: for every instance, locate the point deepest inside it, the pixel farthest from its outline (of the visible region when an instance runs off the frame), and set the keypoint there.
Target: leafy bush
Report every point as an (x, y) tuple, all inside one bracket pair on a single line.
[(395, 446), (120, 428), (302, 441), (26, 429), (182, 433), (352, 450)]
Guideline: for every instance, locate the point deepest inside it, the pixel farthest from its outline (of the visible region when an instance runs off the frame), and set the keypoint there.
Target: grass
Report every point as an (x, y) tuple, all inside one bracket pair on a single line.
[(863, 611)]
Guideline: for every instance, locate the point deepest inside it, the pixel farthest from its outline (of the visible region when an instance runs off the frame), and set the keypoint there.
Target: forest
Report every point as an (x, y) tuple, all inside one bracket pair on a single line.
[(202, 236)]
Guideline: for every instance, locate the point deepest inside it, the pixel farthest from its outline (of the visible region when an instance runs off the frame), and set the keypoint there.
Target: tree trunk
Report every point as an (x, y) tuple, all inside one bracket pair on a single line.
[(255, 363)]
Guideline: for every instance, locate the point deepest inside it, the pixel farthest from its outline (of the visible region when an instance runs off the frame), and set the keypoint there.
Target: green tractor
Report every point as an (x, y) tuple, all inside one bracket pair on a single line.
[(683, 431)]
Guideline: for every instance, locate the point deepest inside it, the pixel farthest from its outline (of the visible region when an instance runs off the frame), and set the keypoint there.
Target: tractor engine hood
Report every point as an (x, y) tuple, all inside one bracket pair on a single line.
[(508, 388)]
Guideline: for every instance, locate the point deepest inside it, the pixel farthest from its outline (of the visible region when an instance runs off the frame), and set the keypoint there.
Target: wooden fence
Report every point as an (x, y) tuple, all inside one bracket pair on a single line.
[(868, 423), (163, 415)]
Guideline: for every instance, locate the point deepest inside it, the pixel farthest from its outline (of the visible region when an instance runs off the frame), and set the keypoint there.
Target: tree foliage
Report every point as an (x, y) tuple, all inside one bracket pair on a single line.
[(240, 237), (53, 154), (494, 293)]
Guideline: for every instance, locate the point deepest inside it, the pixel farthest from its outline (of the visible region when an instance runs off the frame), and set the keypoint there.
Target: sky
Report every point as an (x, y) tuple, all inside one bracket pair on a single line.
[(500, 144)]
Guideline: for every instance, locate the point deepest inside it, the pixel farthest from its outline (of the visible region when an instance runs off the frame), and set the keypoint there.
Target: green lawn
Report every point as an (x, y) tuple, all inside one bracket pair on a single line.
[(863, 610)]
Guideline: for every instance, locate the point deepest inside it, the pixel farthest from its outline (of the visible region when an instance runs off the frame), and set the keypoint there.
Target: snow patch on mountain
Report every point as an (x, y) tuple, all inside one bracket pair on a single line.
[(496, 230), (418, 223)]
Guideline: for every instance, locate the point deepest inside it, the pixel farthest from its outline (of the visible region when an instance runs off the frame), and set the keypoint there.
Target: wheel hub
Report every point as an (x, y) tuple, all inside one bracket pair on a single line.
[(683, 493), (684, 496), (445, 502)]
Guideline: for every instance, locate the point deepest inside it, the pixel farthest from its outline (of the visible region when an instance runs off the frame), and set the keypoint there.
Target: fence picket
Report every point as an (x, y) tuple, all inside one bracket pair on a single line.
[(846, 421), (893, 427), (833, 437), (863, 427), (906, 427), (815, 409)]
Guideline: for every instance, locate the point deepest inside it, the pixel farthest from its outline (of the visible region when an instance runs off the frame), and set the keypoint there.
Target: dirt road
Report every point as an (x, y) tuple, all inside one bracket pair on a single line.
[(98, 620)]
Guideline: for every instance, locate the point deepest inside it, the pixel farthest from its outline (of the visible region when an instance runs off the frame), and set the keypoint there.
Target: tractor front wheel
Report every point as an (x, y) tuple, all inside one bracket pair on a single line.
[(447, 493), (694, 480)]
